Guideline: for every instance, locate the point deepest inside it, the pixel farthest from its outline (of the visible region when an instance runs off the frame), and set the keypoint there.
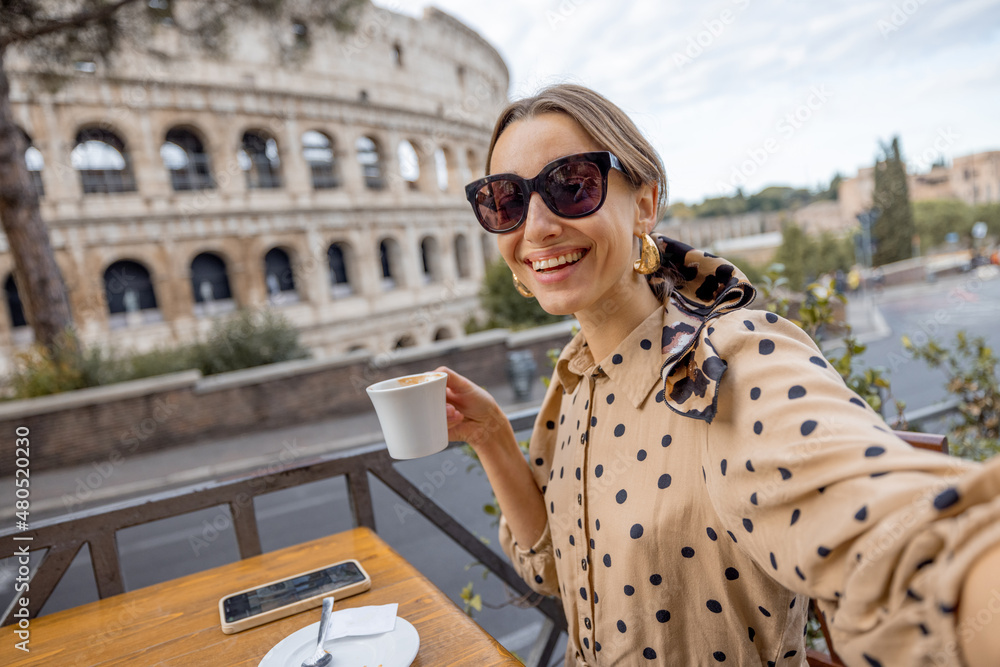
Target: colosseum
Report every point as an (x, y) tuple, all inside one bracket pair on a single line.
[(328, 185)]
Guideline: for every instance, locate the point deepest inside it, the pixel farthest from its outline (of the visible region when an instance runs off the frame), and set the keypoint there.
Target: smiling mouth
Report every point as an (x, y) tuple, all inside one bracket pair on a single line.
[(554, 263)]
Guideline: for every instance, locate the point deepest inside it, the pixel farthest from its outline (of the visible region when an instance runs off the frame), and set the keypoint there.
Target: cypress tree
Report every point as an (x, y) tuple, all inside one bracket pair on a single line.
[(893, 231)]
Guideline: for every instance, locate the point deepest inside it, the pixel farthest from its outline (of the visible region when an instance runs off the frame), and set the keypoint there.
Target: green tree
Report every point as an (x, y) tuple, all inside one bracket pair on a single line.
[(894, 228), (935, 218), (795, 254), (55, 35), (505, 307)]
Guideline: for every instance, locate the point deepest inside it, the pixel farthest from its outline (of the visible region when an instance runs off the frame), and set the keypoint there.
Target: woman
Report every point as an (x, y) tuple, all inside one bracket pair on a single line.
[(697, 470)]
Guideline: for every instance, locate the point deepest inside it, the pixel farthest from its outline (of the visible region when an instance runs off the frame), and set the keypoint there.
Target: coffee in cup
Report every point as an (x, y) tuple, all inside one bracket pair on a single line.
[(411, 410)]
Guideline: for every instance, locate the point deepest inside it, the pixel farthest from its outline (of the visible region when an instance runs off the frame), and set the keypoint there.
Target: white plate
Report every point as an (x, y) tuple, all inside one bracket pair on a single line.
[(389, 649)]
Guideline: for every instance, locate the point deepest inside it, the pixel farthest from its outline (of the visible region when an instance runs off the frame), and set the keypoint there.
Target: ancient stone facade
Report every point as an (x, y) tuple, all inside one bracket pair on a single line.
[(326, 182)]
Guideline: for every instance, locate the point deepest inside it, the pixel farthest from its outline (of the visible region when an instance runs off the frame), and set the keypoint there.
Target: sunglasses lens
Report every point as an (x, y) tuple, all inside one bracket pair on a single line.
[(575, 189), (500, 205)]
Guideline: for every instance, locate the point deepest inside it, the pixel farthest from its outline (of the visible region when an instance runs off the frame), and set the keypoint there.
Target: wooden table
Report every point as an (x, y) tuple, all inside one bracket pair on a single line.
[(176, 623)]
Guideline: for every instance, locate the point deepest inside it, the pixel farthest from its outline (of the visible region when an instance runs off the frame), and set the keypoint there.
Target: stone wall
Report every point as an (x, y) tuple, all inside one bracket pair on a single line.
[(94, 424)]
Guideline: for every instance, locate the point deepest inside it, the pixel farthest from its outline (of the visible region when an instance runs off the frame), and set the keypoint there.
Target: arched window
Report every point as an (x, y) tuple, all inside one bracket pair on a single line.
[(430, 259), (184, 156), (35, 162), (472, 164), (462, 256), (340, 279), (406, 340), (444, 333), (259, 160), (131, 299), (278, 276), (14, 307), (409, 164), (397, 54), (370, 161), (389, 256), (317, 149), (442, 168), (100, 157), (210, 285)]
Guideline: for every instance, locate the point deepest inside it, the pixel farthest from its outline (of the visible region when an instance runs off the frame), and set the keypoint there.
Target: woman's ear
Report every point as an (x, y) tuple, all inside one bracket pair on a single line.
[(645, 206)]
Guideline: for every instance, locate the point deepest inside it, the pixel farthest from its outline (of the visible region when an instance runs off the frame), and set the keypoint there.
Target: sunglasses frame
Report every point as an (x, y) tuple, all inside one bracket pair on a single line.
[(603, 160)]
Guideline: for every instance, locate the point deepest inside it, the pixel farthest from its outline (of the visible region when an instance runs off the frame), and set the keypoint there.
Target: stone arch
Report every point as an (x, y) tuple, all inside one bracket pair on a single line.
[(406, 340), (444, 333), (101, 158), (320, 153), (35, 163), (463, 262), (472, 164), (446, 170), (260, 159), (391, 258), (341, 262), (279, 276), (410, 166), (210, 288), (185, 158), (130, 294), (430, 259), (489, 247), (15, 308), (369, 155)]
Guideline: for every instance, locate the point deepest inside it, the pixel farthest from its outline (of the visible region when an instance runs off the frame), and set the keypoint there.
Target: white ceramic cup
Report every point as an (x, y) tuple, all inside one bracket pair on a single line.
[(411, 411)]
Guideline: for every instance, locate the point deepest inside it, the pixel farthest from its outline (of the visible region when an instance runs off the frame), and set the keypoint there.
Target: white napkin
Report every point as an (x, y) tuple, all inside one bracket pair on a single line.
[(372, 620)]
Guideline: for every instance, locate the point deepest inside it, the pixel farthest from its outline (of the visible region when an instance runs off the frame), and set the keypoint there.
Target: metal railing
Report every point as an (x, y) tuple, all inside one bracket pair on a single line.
[(63, 537)]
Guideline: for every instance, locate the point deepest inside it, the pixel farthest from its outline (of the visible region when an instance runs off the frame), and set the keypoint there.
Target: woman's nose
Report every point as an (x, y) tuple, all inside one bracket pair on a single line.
[(540, 223)]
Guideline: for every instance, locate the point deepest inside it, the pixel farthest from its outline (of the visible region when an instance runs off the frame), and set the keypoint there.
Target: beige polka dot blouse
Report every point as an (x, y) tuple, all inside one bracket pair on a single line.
[(714, 472)]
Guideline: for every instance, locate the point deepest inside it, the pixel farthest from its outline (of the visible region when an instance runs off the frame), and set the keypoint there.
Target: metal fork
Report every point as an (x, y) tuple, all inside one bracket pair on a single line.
[(320, 657)]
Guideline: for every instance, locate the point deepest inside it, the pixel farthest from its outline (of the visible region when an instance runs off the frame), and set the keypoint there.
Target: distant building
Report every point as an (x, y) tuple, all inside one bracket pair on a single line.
[(178, 189)]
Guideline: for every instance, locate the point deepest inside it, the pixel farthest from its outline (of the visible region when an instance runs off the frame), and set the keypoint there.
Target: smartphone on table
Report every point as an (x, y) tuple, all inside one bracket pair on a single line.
[(268, 602)]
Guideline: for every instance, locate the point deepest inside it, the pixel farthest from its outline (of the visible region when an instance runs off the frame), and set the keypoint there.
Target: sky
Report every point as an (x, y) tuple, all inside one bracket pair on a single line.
[(751, 93)]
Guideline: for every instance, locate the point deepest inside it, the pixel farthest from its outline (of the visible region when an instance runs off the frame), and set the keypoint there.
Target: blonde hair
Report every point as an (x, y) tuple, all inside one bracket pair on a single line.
[(607, 125)]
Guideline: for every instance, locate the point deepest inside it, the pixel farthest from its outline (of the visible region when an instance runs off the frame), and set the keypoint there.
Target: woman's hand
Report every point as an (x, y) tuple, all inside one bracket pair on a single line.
[(473, 414)]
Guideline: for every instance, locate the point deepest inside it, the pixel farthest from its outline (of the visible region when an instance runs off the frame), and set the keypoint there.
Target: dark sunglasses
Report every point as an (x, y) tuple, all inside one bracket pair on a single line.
[(572, 187)]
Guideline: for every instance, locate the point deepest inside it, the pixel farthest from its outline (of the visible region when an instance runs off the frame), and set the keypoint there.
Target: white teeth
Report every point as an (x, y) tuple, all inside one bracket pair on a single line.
[(553, 262)]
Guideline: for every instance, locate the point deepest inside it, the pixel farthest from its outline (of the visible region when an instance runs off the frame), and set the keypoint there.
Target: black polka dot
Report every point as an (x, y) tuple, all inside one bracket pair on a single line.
[(663, 616), (858, 402), (946, 498), (748, 524), (656, 579), (823, 552), (648, 653), (871, 661), (771, 317), (731, 536), (552, 507), (732, 574), (597, 524), (748, 324), (765, 612), (687, 552), (621, 626), (591, 546), (664, 481), (572, 540), (578, 473), (645, 344), (755, 393), (795, 516), (619, 430), (611, 399), (558, 553), (666, 440), (562, 419), (808, 427), (758, 427), (774, 562), (711, 534), (538, 579), (597, 646), (607, 560), (659, 396), (636, 531), (752, 633), (621, 496), (798, 391), (750, 466), (799, 572), (789, 654), (641, 455), (539, 462), (785, 473), (714, 606), (617, 359), (819, 361), (593, 421), (598, 471), (586, 643), (723, 466), (862, 513), (719, 656), (874, 450), (550, 424), (766, 346), (629, 590), (753, 498)]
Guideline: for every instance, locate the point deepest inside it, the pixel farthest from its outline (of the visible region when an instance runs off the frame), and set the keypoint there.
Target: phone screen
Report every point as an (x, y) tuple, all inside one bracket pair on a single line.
[(289, 591)]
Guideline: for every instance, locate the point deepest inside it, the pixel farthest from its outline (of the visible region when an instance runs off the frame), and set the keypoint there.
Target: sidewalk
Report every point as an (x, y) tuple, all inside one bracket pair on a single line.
[(56, 492)]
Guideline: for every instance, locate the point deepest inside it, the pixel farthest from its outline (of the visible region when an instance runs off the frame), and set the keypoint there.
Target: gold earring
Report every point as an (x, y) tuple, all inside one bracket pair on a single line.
[(649, 256), (521, 289)]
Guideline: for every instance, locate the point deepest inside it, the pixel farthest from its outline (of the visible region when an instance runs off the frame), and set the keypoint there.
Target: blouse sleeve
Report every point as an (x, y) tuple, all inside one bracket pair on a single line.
[(821, 494), (536, 563)]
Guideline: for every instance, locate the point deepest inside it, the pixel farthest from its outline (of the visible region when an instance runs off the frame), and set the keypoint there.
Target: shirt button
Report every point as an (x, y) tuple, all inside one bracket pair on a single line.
[(583, 564), (579, 499)]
